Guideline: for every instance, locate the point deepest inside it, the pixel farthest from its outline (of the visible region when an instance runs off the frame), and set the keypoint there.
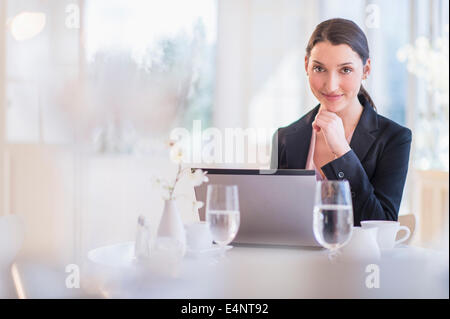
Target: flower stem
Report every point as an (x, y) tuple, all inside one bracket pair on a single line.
[(176, 180)]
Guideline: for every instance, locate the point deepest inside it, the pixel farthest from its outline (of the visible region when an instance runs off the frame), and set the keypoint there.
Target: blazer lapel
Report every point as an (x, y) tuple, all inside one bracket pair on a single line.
[(364, 136), (298, 140)]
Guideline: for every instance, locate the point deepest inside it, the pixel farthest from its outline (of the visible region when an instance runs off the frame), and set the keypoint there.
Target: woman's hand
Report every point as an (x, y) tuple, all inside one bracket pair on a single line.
[(333, 130)]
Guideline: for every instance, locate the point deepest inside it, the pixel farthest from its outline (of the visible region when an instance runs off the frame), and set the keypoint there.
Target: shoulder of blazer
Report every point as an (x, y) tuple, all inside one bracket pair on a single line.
[(375, 128), (372, 122), (392, 130)]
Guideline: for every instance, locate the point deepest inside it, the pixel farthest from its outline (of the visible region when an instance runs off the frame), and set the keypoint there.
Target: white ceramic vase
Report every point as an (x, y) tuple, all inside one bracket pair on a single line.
[(171, 225)]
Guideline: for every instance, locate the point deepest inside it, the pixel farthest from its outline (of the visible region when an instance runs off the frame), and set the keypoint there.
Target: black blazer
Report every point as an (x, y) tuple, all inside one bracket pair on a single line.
[(376, 166)]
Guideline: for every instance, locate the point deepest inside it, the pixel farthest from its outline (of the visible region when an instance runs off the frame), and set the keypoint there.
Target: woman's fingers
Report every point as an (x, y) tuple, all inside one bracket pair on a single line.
[(316, 127), (328, 119), (320, 123), (322, 120), (333, 130), (328, 115)]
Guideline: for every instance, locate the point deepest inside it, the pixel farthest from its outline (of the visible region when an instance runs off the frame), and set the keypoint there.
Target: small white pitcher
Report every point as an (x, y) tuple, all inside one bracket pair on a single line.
[(362, 246)]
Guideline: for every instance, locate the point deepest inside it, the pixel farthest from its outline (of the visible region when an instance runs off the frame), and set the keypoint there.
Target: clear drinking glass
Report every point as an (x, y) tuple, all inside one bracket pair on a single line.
[(222, 213), (333, 216)]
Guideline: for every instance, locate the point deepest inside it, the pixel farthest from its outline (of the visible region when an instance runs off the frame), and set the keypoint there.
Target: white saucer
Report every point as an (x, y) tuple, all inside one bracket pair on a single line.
[(211, 251), (398, 251)]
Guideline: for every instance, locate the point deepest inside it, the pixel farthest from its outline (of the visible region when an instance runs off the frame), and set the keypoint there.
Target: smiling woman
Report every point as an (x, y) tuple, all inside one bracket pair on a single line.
[(343, 137)]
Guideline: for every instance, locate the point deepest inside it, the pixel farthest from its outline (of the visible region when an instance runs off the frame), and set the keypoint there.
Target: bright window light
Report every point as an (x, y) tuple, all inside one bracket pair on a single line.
[(27, 25)]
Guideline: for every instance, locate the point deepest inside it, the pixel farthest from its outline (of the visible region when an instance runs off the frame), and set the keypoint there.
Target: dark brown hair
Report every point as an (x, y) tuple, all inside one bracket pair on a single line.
[(342, 31)]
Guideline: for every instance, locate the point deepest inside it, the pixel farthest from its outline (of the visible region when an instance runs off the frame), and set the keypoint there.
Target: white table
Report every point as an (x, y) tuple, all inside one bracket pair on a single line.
[(266, 272)]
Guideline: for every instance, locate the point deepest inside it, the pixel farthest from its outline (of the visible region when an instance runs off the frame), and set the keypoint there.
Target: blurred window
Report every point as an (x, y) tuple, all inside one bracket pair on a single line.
[(45, 58)]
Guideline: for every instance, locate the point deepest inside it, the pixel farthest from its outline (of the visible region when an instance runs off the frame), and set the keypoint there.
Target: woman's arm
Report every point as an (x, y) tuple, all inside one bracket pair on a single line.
[(379, 197)]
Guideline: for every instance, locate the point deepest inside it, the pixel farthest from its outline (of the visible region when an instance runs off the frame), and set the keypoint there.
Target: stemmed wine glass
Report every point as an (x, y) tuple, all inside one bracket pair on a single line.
[(333, 216), (222, 213)]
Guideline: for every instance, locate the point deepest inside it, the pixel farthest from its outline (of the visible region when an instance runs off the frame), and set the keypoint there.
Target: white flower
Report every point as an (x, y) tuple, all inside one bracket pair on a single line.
[(197, 204), (176, 155), (198, 177), (162, 185), (429, 62), (195, 178), (423, 43)]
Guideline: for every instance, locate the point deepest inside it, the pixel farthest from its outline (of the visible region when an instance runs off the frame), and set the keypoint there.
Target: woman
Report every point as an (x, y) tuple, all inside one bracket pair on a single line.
[(343, 137)]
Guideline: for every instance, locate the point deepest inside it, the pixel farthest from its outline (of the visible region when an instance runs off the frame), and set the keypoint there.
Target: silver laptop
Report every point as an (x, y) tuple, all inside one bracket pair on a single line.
[(275, 208)]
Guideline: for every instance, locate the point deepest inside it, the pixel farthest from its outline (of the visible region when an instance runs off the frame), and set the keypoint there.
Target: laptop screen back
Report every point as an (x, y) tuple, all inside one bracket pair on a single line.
[(275, 209)]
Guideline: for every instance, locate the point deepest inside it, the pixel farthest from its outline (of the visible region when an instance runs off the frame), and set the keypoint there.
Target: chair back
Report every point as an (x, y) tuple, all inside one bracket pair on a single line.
[(409, 221)]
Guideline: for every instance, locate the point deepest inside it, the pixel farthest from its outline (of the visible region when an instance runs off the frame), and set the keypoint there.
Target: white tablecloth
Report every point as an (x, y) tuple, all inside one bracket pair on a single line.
[(267, 272)]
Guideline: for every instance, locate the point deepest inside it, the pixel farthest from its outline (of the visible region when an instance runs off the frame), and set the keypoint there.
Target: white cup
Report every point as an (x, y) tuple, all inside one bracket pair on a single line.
[(198, 236), (387, 232)]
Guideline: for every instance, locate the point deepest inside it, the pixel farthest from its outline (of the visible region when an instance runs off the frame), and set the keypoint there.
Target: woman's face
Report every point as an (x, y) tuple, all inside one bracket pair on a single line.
[(335, 73)]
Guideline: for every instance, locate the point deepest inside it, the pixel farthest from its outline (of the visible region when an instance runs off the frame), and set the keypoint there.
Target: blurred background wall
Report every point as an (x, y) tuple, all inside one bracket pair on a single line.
[(91, 90)]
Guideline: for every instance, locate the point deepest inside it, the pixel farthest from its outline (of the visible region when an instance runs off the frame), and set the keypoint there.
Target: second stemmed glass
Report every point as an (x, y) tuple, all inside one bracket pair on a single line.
[(222, 213), (333, 216)]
